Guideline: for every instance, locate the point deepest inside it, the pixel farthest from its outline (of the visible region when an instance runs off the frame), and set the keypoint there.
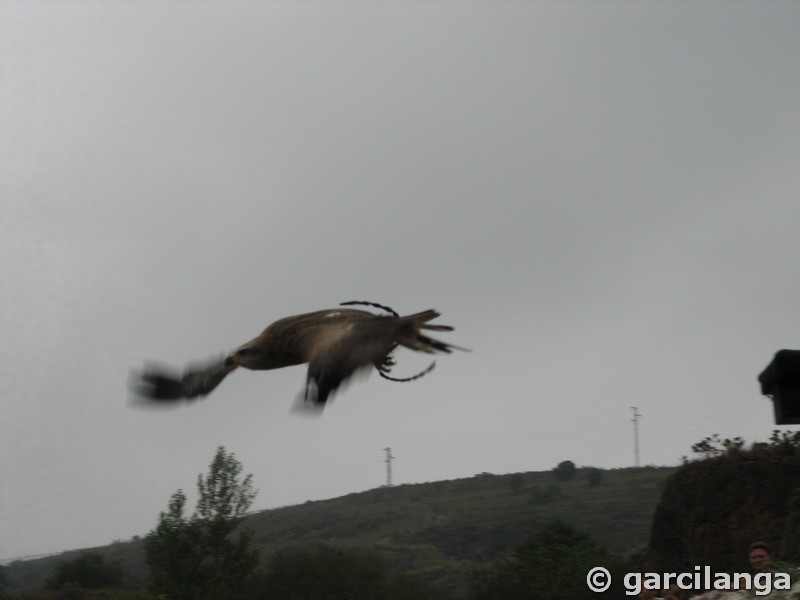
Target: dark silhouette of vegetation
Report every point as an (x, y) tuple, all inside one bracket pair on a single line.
[(594, 476), (551, 565), (790, 546), (565, 471), (784, 443), (75, 592), (712, 446), (329, 573), (516, 481), (545, 494), (199, 558), (88, 571)]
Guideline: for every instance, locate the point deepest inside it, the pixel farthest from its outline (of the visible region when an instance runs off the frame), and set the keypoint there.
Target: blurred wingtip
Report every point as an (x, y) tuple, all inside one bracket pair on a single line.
[(155, 386), (305, 407)]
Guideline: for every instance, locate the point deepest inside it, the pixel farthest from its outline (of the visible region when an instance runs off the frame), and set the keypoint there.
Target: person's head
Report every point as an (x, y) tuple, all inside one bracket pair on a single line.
[(760, 556)]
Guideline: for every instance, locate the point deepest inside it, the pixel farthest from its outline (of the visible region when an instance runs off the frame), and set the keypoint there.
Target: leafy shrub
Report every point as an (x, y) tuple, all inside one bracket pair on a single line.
[(88, 571)]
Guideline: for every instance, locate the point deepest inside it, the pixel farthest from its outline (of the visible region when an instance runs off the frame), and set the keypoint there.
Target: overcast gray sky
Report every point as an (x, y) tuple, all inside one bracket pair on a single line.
[(602, 197)]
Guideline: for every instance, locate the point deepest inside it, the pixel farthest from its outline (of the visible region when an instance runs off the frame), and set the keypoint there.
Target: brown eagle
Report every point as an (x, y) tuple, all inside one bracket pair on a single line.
[(335, 343)]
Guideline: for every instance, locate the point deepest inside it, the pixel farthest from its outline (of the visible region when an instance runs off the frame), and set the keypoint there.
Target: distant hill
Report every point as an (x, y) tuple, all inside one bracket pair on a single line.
[(441, 530)]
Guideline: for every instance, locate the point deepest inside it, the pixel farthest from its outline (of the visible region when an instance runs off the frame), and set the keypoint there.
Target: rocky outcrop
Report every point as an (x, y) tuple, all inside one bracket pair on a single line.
[(712, 509)]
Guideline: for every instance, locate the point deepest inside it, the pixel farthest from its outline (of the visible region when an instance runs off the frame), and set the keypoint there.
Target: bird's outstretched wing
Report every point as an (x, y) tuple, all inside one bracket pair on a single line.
[(355, 349), (161, 383)]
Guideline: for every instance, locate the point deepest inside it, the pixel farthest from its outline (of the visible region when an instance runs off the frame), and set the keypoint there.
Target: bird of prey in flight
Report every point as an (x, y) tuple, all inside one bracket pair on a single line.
[(335, 343)]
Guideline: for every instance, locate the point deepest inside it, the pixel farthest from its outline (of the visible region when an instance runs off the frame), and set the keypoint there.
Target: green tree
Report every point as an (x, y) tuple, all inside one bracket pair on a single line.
[(88, 571), (199, 557), (565, 471), (551, 565)]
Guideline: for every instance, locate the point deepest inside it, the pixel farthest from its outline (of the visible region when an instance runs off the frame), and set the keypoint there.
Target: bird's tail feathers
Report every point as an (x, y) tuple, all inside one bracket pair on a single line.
[(415, 340)]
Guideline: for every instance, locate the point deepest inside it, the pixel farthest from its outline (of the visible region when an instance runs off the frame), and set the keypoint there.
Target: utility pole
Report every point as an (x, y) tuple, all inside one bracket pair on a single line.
[(388, 462), (635, 421)]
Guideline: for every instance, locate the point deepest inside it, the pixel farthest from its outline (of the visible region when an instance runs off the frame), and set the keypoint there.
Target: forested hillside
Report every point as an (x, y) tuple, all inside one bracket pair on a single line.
[(439, 531)]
